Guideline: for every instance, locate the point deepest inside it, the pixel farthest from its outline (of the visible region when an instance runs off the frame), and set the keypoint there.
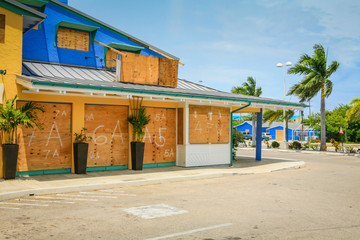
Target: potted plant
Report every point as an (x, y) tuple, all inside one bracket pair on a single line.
[(138, 119), (10, 119), (81, 151)]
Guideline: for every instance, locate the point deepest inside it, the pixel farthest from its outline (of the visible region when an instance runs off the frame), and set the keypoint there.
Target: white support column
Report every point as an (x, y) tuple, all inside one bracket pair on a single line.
[(118, 67)]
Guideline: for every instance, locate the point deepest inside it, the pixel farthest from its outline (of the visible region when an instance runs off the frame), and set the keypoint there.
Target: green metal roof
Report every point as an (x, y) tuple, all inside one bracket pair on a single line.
[(126, 47), (35, 3)]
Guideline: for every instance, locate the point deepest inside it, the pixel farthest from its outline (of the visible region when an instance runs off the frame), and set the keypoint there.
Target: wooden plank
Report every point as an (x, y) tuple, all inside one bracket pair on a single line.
[(180, 126), (2, 28), (51, 147), (110, 48), (168, 72), (209, 124), (160, 136), (110, 56), (140, 69), (161, 53), (108, 127), (73, 39)]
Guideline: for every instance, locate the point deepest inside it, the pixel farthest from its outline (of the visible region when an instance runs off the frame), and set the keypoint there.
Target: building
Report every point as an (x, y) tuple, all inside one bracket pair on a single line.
[(295, 130), (86, 73)]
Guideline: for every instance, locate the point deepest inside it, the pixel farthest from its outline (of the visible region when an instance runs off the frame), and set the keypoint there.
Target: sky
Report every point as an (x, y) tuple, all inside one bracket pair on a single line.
[(223, 42)]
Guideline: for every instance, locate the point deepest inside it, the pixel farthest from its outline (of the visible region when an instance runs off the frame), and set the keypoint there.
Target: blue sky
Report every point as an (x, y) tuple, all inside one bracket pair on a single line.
[(224, 42)]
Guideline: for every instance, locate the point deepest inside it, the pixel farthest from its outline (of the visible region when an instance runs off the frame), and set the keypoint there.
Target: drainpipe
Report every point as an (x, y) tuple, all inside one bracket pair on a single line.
[(231, 131)]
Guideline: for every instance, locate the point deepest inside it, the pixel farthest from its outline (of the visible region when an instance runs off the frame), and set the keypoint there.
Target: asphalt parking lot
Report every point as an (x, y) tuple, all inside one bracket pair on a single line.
[(320, 201)]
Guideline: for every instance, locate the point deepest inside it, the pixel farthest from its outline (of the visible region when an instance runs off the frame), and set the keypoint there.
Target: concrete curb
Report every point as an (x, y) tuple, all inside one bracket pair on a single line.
[(121, 183)]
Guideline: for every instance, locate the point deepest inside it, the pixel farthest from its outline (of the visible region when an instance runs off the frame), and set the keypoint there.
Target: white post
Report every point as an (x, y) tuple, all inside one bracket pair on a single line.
[(118, 67)]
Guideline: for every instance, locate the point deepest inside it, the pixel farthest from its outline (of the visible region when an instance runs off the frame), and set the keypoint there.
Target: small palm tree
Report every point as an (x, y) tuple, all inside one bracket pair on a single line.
[(12, 118), (274, 116), (139, 120), (249, 88), (353, 113), (316, 79)]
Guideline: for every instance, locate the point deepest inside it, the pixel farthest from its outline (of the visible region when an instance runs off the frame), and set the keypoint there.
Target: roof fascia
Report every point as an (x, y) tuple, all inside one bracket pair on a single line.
[(21, 9)]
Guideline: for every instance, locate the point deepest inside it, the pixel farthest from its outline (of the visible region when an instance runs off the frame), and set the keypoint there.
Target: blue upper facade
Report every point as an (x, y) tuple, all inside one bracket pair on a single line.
[(41, 44)]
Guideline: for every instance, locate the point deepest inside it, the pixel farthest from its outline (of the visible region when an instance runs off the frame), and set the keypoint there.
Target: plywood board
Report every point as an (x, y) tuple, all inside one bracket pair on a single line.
[(180, 126), (140, 69), (2, 28), (110, 59), (168, 72), (73, 39), (279, 135), (160, 136), (209, 124), (51, 147), (108, 127)]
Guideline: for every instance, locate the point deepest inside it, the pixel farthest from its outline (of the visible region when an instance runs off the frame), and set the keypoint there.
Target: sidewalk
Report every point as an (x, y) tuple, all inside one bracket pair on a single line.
[(63, 183)]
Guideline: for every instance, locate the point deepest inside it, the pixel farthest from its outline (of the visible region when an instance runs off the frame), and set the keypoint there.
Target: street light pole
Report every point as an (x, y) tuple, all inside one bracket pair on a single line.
[(284, 124)]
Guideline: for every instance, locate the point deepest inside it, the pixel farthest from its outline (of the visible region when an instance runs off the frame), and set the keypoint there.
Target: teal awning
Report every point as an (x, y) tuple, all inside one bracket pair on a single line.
[(126, 47), (77, 26)]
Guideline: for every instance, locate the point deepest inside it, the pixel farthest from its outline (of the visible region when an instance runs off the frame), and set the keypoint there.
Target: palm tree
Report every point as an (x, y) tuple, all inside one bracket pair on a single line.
[(316, 78), (249, 88), (354, 112), (12, 118), (273, 116)]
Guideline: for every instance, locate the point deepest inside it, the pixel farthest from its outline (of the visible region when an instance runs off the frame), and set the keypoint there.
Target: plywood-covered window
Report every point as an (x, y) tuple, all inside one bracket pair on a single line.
[(2, 28), (73, 39)]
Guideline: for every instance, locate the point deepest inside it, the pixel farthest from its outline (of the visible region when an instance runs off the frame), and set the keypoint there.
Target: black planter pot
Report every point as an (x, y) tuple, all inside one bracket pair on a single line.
[(10, 155), (137, 155), (80, 157)]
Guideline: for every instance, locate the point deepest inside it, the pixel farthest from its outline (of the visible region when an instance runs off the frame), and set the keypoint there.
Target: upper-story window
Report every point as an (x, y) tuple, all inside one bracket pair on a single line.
[(75, 36), (2, 28), (73, 39)]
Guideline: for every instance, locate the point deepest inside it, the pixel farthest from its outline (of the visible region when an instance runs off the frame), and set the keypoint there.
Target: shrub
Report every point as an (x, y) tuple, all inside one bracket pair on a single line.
[(315, 141), (267, 144), (306, 146), (314, 147), (295, 145), (335, 144), (275, 144), (350, 150)]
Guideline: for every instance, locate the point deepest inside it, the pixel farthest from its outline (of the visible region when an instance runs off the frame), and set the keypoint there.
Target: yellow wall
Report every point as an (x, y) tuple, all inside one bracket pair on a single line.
[(78, 108), (10, 57)]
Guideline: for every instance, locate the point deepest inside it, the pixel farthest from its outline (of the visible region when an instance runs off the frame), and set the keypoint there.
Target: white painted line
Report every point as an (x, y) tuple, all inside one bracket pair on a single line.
[(275, 158), (77, 199), (73, 195), (115, 191), (109, 194), (13, 208), (191, 231), (25, 204), (47, 201)]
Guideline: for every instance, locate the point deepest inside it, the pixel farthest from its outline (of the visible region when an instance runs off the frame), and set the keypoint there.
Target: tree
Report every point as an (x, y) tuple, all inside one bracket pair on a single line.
[(354, 112), (249, 88), (316, 79), (274, 116)]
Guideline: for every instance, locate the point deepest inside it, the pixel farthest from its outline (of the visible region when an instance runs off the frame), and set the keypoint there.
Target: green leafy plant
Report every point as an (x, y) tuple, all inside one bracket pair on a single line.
[(275, 144), (306, 146), (138, 119), (81, 137), (267, 144), (314, 147), (238, 137), (11, 119), (350, 149), (297, 145), (335, 144)]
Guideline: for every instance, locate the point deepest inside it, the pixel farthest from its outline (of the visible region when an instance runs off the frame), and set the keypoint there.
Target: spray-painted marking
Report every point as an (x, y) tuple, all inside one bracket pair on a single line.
[(45, 201), (154, 211), (73, 195), (25, 204), (13, 208), (64, 198), (191, 231), (109, 194)]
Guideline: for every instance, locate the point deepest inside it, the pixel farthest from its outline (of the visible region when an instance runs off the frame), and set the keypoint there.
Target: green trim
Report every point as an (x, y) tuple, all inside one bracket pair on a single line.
[(231, 130), (35, 82), (43, 172), (35, 3), (153, 165), (82, 27), (107, 168), (20, 11), (87, 18), (126, 47)]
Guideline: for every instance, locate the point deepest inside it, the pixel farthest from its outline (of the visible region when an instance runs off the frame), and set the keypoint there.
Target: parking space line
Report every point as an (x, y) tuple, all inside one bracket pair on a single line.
[(191, 231), (115, 191), (13, 208), (47, 201), (76, 199), (91, 196), (109, 194), (25, 204)]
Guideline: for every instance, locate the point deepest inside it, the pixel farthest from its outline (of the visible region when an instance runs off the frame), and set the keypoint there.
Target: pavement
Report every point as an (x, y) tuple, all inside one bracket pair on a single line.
[(64, 183)]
